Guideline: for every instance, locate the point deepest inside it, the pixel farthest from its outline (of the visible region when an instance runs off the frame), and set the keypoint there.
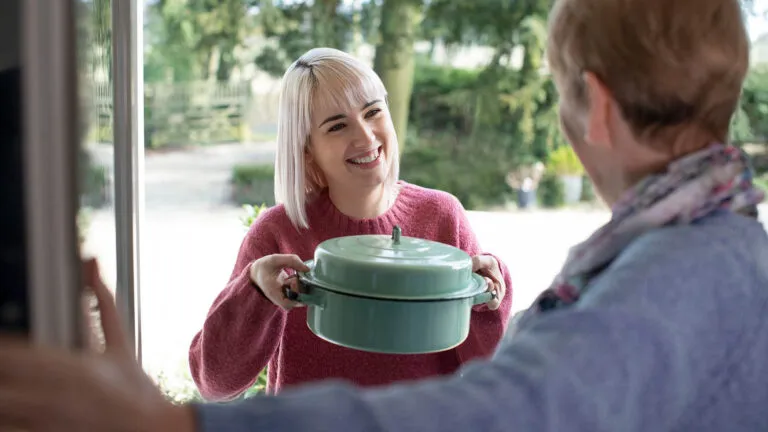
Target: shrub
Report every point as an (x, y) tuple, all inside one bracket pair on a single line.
[(251, 213), (563, 161), (551, 193), (762, 182), (94, 182), (443, 97), (253, 184), (473, 171), (178, 387)]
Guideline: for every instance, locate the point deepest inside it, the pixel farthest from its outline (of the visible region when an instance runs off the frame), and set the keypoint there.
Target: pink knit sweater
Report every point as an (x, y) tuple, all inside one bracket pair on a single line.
[(244, 331)]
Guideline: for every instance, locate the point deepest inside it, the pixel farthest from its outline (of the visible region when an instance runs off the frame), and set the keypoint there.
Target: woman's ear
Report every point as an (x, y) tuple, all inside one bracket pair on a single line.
[(598, 129), (312, 171)]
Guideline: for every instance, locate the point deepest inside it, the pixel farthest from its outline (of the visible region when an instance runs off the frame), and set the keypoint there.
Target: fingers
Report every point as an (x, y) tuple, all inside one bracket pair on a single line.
[(269, 275), (114, 336), (290, 289), (495, 302), (278, 290), (487, 266)]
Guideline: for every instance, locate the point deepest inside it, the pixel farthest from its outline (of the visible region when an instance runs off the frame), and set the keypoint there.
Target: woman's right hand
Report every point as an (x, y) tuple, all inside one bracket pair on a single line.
[(269, 275)]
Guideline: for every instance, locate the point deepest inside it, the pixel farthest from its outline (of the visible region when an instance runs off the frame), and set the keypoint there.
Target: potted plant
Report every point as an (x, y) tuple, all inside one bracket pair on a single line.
[(525, 180), (564, 163)]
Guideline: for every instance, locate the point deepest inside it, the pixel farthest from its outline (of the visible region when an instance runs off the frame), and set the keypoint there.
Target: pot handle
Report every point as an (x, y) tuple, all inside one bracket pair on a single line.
[(484, 297), (307, 299)]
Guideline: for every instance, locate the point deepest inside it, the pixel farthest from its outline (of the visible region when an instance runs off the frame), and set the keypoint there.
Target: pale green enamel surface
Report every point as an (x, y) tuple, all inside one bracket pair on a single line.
[(380, 266), (387, 326)]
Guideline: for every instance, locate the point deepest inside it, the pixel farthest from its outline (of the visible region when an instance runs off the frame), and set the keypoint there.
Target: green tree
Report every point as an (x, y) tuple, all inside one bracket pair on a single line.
[(295, 27), (194, 39), (394, 61)]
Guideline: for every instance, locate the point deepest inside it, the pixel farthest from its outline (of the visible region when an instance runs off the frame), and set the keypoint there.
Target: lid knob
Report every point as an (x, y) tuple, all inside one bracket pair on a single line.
[(396, 232)]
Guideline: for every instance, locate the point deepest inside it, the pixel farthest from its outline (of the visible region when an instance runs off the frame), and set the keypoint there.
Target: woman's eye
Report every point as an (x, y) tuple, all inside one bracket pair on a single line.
[(336, 127), (372, 113)]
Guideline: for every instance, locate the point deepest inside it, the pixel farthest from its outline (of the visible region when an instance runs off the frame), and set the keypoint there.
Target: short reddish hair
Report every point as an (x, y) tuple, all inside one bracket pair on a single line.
[(668, 63)]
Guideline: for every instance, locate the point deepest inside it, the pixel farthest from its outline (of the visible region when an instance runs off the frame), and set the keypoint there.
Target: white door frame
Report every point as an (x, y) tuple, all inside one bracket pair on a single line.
[(128, 94)]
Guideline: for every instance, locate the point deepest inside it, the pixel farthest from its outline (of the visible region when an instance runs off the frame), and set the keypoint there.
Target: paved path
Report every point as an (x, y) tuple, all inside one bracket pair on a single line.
[(191, 236)]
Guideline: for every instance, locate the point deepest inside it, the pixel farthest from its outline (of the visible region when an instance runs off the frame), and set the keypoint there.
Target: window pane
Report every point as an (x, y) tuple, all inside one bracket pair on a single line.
[(97, 217)]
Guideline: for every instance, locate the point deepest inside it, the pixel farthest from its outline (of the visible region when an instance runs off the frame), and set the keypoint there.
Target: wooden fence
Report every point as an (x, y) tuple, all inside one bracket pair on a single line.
[(193, 113)]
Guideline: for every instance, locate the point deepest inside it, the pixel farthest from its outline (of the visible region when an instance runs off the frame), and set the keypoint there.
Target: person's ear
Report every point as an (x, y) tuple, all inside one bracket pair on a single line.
[(313, 173), (601, 102), (308, 155)]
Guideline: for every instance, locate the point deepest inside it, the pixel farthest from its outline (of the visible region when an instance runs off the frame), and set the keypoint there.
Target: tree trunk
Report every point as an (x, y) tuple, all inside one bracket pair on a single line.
[(226, 64), (394, 60)]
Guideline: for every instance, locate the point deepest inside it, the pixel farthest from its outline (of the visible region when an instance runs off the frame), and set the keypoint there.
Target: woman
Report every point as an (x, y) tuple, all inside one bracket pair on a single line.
[(336, 175), (655, 323)]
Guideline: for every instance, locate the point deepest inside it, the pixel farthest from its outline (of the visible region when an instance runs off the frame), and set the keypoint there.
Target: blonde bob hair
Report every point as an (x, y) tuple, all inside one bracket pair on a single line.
[(333, 79)]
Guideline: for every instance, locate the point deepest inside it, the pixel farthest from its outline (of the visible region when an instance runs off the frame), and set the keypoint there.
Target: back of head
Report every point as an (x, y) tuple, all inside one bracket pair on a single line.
[(671, 65), (320, 77)]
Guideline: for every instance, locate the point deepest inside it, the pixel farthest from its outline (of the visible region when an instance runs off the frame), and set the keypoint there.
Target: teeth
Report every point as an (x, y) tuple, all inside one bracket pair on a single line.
[(367, 159)]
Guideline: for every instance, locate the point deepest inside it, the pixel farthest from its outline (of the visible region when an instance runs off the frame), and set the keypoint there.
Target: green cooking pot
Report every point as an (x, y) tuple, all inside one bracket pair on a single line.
[(396, 295)]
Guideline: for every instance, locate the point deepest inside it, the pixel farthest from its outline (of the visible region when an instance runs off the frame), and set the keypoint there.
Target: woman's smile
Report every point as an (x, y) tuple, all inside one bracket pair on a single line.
[(367, 160)]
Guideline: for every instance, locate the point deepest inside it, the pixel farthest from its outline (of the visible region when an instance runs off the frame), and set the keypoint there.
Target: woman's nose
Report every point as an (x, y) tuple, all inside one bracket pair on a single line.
[(364, 135)]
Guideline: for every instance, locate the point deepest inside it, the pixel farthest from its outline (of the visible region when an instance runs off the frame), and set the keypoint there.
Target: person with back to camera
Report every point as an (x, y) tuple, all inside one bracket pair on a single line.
[(657, 322), (336, 174)]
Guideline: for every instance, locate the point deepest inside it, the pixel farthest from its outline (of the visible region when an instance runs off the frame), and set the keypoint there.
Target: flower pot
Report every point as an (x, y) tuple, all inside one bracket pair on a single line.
[(396, 295), (572, 185), (526, 198)]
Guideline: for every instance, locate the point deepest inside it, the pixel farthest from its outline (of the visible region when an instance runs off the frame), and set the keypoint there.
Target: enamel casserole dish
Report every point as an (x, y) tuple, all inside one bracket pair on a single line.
[(390, 294)]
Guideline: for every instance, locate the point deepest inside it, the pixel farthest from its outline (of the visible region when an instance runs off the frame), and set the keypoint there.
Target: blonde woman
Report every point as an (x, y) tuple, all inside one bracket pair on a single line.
[(336, 174), (655, 323)]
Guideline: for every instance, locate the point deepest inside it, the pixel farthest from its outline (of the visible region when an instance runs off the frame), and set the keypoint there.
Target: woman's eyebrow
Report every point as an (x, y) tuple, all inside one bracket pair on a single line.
[(341, 116)]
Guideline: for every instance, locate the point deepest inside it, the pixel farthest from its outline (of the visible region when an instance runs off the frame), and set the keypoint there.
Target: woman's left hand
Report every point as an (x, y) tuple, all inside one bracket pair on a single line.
[(488, 267)]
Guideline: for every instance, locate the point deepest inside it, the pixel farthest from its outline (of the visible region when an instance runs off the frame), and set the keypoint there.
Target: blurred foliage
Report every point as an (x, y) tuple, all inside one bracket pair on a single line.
[(194, 39), (563, 161), (751, 121), (551, 192), (252, 212), (253, 183), (295, 27), (588, 190), (472, 171)]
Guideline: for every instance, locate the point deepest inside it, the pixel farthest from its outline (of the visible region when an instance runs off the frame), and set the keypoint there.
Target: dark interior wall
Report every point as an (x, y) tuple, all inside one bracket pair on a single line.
[(10, 26), (13, 297)]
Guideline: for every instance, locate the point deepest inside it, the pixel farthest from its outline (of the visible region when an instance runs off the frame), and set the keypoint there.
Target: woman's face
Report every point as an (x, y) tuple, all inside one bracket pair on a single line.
[(353, 146)]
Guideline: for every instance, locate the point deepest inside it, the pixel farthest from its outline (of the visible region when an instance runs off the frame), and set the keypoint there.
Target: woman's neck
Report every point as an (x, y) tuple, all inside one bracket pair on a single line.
[(361, 203)]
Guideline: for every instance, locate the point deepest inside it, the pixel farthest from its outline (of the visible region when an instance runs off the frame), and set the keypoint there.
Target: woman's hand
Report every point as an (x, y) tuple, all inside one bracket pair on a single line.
[(488, 267), (44, 389), (268, 274)]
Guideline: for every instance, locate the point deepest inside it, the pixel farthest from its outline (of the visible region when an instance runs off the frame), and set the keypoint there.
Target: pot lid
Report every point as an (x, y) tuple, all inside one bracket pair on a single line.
[(392, 267)]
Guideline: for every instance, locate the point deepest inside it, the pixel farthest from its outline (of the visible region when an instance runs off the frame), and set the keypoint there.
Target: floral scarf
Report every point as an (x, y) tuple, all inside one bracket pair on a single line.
[(717, 177)]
